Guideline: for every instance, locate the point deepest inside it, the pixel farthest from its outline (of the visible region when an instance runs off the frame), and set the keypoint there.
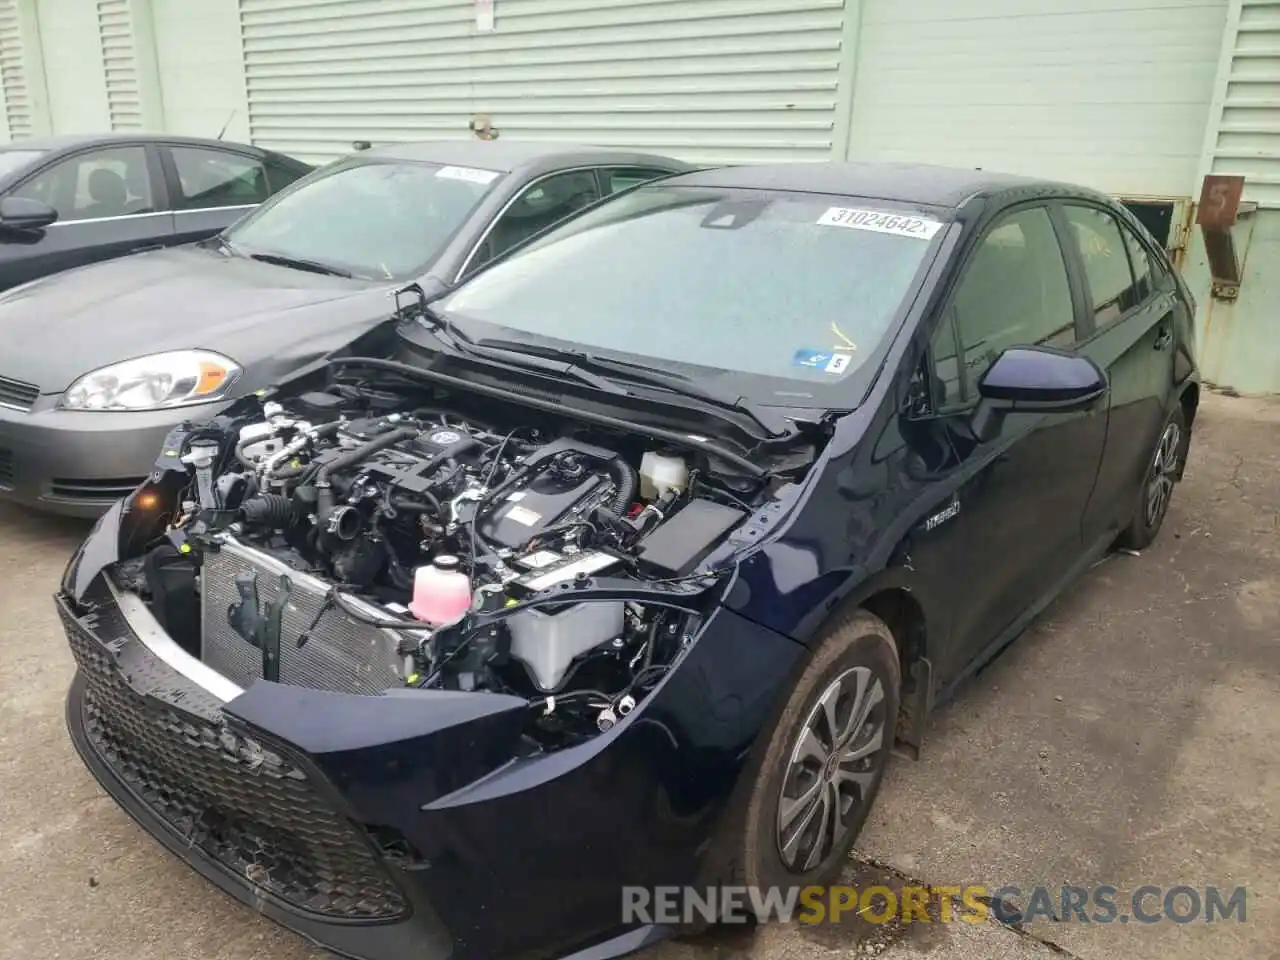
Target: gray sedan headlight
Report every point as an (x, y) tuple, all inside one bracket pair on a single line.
[(175, 379)]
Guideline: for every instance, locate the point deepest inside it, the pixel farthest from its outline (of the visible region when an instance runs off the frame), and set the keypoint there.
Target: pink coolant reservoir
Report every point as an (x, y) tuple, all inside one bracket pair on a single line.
[(441, 592)]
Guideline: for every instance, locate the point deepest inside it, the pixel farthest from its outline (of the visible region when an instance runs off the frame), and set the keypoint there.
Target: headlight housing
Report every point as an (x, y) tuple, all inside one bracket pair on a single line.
[(175, 379)]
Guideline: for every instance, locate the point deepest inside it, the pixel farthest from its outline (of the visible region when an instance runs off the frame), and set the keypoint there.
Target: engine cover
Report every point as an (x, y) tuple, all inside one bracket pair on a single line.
[(551, 499)]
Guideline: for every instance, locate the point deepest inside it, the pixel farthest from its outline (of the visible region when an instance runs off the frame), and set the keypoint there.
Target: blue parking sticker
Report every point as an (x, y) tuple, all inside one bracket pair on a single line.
[(821, 360), (810, 358)]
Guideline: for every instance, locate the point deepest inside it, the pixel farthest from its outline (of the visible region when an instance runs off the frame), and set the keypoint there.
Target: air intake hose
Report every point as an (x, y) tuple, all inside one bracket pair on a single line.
[(267, 510), (324, 491), (627, 481)]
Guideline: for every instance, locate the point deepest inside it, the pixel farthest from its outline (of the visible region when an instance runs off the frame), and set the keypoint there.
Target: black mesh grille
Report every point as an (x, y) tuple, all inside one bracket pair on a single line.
[(6, 468), (15, 393), (244, 806)]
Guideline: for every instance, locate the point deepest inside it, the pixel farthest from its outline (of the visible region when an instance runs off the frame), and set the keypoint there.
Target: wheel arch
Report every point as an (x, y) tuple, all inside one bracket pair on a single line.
[(890, 595), (1189, 398)]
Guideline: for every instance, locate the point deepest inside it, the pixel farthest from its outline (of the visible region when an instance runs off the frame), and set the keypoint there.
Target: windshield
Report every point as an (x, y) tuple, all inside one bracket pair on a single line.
[(379, 220), (11, 160), (790, 294)]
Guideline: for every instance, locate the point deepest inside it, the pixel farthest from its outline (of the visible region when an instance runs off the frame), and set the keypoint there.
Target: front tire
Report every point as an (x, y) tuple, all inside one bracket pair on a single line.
[(1164, 470), (824, 762)]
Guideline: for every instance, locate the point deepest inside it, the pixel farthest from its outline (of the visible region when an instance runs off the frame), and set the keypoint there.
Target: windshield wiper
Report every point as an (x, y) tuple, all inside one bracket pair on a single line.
[(298, 263), (677, 383), (462, 345), (578, 364), (220, 243)]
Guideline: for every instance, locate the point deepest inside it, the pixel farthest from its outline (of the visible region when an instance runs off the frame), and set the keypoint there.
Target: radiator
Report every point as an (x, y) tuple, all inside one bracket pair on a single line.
[(339, 653)]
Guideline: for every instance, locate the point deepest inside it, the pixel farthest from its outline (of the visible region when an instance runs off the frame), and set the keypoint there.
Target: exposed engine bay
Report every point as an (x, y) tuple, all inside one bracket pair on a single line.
[(359, 540)]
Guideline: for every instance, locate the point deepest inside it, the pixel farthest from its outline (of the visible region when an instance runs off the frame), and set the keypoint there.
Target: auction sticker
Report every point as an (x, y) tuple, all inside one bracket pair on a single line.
[(523, 515), (470, 174), (877, 221)]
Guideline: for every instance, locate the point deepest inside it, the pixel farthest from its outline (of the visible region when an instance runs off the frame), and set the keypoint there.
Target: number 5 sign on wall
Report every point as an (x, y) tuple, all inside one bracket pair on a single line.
[(1219, 206), (1219, 200)]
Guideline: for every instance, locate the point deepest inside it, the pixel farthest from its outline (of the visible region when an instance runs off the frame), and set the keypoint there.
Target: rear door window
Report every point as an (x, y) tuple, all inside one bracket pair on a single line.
[(1112, 288), (538, 206), (1146, 270), (280, 175), (217, 178), (617, 179)]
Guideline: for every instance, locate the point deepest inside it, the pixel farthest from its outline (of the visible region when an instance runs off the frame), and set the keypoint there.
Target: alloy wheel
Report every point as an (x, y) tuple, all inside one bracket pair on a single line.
[(832, 768), (1164, 474)]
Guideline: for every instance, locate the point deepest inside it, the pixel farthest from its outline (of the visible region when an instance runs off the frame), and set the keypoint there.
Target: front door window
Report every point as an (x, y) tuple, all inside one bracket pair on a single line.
[(95, 185), (1015, 292)]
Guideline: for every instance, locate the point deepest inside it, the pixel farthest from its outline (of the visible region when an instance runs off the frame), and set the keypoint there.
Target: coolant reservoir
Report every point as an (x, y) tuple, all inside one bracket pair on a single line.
[(660, 473), (441, 593)]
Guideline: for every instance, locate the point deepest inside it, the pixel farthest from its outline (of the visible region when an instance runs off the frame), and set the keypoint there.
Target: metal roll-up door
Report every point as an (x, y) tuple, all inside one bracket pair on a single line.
[(708, 80), (1110, 93)]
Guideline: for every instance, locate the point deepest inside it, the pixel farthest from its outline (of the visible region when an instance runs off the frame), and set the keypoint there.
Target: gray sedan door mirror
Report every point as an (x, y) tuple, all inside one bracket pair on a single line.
[(23, 213)]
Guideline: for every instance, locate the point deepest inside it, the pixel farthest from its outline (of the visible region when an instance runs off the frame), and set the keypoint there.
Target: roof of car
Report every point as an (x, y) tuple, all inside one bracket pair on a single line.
[(73, 140), (508, 155), (903, 182)]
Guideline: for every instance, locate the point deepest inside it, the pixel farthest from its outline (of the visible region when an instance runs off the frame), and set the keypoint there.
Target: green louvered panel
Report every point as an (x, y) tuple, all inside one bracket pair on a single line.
[(1248, 133), (13, 79), (119, 64), (708, 80)]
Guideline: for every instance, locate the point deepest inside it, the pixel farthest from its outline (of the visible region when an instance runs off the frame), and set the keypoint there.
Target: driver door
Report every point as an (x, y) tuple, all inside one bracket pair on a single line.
[(1022, 501), (110, 202)]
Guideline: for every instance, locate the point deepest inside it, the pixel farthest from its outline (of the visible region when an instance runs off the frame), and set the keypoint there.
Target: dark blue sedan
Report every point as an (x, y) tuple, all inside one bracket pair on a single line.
[(626, 563)]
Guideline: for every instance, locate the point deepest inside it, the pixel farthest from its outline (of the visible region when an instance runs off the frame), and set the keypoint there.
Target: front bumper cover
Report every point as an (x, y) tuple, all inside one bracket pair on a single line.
[(77, 462), (407, 827)]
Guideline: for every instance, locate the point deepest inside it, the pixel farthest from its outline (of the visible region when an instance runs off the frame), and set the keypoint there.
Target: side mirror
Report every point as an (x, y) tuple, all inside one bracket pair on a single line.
[(1035, 380), (23, 213)]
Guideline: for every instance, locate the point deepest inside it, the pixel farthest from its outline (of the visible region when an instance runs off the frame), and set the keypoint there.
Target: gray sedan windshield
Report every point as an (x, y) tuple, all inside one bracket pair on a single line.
[(381, 220), (783, 287)]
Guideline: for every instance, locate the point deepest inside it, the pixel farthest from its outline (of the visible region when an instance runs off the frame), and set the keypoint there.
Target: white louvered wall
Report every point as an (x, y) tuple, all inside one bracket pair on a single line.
[(13, 80), (713, 80), (1247, 135), (1110, 93), (119, 64)]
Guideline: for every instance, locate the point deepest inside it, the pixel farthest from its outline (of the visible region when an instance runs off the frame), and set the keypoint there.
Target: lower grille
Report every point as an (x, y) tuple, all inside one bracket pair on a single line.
[(15, 393), (6, 469), (108, 491), (244, 806), (340, 653)]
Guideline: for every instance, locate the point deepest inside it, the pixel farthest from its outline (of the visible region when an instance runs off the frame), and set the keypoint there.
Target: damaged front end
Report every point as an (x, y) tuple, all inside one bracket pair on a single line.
[(349, 647)]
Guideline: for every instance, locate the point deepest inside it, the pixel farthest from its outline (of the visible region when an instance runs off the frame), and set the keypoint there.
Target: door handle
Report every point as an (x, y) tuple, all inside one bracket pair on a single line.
[(1163, 339)]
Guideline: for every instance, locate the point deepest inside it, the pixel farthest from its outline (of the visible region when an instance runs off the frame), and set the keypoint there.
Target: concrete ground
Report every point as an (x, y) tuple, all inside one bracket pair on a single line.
[(1126, 739)]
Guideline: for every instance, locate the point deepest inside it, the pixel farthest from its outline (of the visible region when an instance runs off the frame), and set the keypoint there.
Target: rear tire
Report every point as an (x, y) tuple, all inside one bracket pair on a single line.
[(1164, 470), (823, 764)]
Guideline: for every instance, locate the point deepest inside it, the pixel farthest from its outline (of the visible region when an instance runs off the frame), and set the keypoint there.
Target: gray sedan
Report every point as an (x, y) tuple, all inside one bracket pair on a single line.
[(98, 364)]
